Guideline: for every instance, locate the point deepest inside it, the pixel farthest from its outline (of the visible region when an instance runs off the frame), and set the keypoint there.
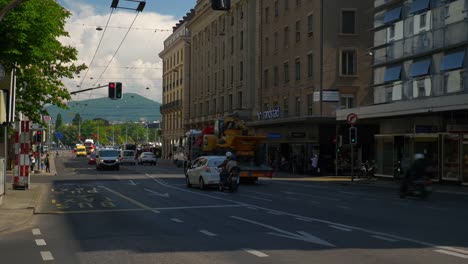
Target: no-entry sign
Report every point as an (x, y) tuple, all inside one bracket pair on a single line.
[(352, 119)]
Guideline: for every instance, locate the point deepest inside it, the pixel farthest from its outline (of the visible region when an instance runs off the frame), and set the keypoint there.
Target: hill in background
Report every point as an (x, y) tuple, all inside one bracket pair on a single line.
[(132, 107)]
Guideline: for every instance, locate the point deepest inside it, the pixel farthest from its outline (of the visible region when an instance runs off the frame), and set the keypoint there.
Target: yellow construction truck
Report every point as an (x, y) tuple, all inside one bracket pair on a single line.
[(230, 134)]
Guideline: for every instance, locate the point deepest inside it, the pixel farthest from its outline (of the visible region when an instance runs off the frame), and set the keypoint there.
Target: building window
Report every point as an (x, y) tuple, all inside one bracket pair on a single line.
[(267, 44), (241, 71), (286, 5), (276, 8), (232, 45), (276, 40), (310, 25), (310, 104), (223, 78), (241, 40), (286, 72), (298, 106), (298, 31), (214, 110), (348, 22), (221, 104), (267, 14), (207, 110), (276, 76), (232, 74), (422, 20), (265, 79), (266, 106), (347, 101), (298, 3), (230, 102), (310, 65), (348, 62), (285, 106), (286, 37), (298, 69), (239, 100)]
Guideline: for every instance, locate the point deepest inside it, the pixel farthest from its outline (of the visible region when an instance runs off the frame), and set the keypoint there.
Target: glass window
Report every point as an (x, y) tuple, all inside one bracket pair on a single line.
[(285, 106), (275, 76), (239, 100), (241, 44), (310, 104), (346, 101), (348, 62), (241, 71), (267, 13), (267, 44), (420, 68), (298, 69), (286, 4), (392, 74), (419, 6), (286, 72), (286, 36), (310, 65), (348, 22), (310, 24), (276, 40), (265, 78), (298, 31), (453, 61), (451, 157), (392, 15), (276, 8), (298, 106)]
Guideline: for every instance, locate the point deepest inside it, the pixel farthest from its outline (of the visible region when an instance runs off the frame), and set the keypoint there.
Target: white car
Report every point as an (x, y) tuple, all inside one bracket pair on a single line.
[(147, 157), (204, 171), (127, 156)]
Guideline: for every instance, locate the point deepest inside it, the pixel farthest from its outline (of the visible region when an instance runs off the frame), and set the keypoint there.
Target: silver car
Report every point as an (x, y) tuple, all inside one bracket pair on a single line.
[(107, 159), (128, 157), (204, 171), (147, 157)]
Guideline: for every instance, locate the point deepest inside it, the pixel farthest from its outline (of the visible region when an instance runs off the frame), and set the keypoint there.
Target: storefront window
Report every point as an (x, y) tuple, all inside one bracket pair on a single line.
[(465, 160), (451, 161), (429, 147), (384, 158)]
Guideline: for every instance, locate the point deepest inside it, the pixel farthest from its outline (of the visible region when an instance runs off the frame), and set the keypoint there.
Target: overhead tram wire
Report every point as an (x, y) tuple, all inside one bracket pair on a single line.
[(99, 45), (118, 48)]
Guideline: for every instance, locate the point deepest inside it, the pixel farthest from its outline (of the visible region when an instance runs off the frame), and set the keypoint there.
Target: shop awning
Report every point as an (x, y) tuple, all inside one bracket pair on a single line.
[(392, 74), (453, 61), (420, 68), (392, 15), (419, 6)]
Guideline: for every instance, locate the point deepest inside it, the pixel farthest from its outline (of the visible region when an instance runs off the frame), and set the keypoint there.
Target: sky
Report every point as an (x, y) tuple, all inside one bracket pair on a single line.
[(134, 62)]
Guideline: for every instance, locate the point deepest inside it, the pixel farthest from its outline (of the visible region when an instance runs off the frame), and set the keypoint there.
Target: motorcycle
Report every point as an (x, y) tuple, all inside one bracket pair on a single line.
[(231, 183), (421, 188), (366, 170)]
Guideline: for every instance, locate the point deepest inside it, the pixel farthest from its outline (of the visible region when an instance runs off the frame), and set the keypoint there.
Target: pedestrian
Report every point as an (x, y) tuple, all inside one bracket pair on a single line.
[(47, 164), (32, 161), (314, 163)]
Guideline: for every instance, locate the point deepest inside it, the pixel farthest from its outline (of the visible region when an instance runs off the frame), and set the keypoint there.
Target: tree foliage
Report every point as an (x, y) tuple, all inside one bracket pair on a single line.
[(58, 121), (29, 42)]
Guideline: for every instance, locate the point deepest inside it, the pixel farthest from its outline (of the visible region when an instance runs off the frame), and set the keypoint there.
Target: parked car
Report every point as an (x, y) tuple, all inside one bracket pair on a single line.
[(108, 159), (92, 158), (147, 157), (127, 157), (204, 171)]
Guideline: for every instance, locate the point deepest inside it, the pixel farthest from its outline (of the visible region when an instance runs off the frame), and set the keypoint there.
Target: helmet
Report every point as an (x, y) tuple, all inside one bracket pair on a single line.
[(418, 156), (228, 154)]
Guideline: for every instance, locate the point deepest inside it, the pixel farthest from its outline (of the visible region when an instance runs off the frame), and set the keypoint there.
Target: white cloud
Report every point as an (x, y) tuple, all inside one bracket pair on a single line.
[(136, 64)]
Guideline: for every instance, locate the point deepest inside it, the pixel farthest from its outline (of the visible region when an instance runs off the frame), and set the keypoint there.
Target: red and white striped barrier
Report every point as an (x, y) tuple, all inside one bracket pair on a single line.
[(22, 164)]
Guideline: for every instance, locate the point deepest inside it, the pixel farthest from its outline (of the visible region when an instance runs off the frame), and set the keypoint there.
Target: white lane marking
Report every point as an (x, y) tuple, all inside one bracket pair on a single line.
[(46, 255), (302, 185), (318, 220), (208, 233), (40, 242), (299, 235), (311, 196), (254, 197), (260, 193), (132, 183), (255, 252), (385, 238), (344, 207), (451, 253), (340, 228), (158, 194), (303, 219), (155, 211), (251, 208), (177, 220), (275, 213), (36, 231), (454, 249)]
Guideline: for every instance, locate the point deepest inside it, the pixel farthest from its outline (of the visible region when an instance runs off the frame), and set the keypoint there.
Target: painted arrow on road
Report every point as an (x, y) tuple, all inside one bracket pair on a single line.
[(158, 194), (300, 235), (132, 183)]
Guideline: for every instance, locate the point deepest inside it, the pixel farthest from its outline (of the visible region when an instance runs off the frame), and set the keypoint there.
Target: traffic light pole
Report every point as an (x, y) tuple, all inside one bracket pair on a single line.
[(89, 89)]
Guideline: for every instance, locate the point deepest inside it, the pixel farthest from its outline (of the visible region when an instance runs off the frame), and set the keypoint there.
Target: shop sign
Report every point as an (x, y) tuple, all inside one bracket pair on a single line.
[(425, 129), (298, 134), (270, 114), (460, 128), (327, 96), (274, 135)]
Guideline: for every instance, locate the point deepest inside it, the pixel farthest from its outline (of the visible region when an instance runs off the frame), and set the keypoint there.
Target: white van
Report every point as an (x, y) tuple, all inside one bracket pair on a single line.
[(108, 159), (127, 157)]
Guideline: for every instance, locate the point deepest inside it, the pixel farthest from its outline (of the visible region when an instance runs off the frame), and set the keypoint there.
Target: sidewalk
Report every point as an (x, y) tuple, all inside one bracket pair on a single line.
[(17, 207)]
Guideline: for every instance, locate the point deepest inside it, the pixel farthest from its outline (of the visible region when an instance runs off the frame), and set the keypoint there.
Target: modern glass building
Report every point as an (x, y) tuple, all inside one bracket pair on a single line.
[(419, 86)]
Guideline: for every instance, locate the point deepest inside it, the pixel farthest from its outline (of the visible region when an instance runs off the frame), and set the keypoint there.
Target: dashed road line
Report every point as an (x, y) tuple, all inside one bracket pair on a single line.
[(36, 231), (46, 255), (344, 207), (251, 208), (341, 228), (177, 220), (155, 211), (384, 238), (303, 219), (255, 252), (208, 233), (274, 213), (254, 197), (40, 242), (455, 254), (312, 196)]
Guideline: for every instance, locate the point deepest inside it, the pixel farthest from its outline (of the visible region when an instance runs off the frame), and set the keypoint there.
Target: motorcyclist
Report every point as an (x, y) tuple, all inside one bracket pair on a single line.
[(227, 165), (417, 171)]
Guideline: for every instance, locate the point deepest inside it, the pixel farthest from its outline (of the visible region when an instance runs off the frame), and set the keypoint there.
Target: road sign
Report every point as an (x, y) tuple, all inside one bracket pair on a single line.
[(33, 126), (47, 119), (352, 119)]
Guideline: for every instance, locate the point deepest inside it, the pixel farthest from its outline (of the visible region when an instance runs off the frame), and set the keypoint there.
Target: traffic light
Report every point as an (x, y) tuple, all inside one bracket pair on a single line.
[(353, 135), (221, 5), (118, 90), (39, 136), (111, 87)]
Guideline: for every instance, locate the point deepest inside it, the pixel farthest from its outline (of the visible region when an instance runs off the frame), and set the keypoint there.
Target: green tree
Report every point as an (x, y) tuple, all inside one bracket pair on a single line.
[(76, 121), (58, 121), (29, 43)]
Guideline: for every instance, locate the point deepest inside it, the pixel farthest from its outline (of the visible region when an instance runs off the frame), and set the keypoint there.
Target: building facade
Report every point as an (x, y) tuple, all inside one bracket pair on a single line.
[(313, 62), (176, 72), (420, 90)]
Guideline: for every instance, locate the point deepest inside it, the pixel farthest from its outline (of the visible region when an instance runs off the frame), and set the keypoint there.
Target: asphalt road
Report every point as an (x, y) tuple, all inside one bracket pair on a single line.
[(145, 214)]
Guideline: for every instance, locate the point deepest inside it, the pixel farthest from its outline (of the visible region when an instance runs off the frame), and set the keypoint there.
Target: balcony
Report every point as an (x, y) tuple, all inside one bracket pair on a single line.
[(172, 106), (422, 43)]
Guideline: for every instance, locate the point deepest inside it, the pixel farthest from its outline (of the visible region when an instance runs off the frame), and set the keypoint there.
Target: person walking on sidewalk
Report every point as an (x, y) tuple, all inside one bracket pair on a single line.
[(314, 164), (47, 164), (32, 161)]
